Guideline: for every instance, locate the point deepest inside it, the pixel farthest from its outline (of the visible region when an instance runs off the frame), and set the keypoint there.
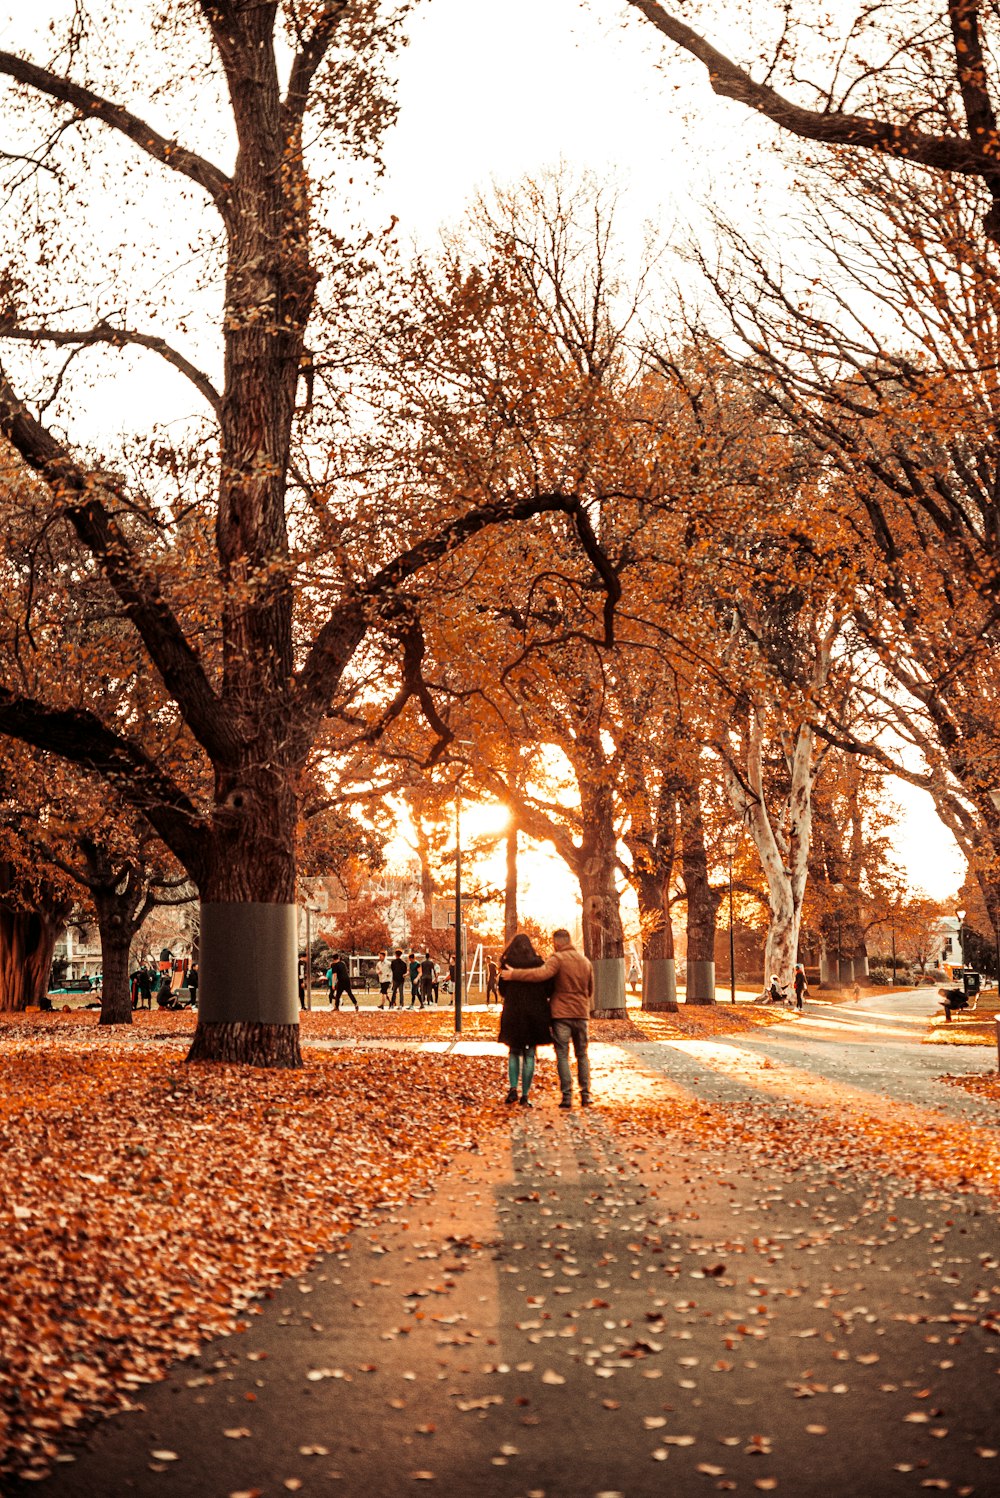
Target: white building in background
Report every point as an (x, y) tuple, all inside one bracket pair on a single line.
[(79, 947), (948, 951)]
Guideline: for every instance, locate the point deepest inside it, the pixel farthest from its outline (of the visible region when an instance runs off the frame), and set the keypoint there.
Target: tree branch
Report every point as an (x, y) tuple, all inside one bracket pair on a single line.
[(92, 106), (139, 591), (118, 338), (348, 624), (971, 69), (309, 57), (78, 736), (730, 81)]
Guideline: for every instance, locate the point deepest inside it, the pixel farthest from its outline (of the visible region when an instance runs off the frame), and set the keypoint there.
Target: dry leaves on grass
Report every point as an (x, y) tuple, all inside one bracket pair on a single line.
[(961, 1032), (484, 1024), (700, 1019), (143, 1203)]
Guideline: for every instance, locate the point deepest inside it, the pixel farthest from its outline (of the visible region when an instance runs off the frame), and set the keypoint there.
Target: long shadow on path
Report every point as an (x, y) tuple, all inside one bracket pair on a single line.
[(588, 1307)]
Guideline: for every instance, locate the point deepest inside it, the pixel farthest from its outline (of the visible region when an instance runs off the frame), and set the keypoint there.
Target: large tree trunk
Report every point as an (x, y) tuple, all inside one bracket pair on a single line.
[(248, 1006), (702, 902), (603, 937), (30, 921), (510, 884), (659, 976), (782, 838), (116, 940), (781, 949), (27, 941)]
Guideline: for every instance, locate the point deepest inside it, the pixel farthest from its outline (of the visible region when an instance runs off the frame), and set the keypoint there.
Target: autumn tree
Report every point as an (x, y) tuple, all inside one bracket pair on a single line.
[(256, 579), (889, 374), (123, 873), (903, 101), (519, 324)]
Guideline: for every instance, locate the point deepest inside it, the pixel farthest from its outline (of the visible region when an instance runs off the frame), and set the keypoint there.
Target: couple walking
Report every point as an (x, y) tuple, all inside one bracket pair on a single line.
[(546, 1003)]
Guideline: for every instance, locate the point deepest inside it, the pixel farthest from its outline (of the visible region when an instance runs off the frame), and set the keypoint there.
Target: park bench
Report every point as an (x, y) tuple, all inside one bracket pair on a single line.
[(966, 997)]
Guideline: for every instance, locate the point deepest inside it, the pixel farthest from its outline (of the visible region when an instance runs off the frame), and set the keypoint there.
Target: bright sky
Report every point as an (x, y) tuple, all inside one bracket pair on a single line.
[(490, 92), (487, 94)]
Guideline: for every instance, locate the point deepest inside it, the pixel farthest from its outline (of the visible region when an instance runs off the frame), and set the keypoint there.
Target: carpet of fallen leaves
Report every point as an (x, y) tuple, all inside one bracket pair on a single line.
[(961, 1032), (145, 1203), (948, 1153), (987, 1086)]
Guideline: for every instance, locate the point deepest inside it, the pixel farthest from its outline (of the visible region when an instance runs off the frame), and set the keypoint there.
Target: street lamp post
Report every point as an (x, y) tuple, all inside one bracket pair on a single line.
[(893, 930), (307, 975), (960, 917)]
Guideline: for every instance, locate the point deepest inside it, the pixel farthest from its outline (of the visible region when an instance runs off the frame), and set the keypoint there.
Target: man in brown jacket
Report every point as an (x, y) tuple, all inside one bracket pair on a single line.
[(571, 1004)]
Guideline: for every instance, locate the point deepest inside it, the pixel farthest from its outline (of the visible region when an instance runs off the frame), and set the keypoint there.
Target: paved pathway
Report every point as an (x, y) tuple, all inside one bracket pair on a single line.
[(875, 1049), (586, 1308)]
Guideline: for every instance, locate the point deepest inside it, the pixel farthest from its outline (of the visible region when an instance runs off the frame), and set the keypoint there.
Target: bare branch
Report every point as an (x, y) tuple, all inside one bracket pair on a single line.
[(309, 57), (349, 623), (92, 106), (78, 736), (103, 332), (947, 153)]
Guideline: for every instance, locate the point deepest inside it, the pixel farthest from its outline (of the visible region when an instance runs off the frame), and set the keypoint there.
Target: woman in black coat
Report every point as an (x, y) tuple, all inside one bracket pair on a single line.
[(524, 1018)]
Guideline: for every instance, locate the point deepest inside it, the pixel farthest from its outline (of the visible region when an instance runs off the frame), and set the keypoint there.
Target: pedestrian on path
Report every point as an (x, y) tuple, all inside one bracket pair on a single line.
[(571, 1005), (428, 980), (414, 972), (142, 988), (384, 970), (801, 987), (492, 974), (341, 982), (525, 1020), (397, 968)]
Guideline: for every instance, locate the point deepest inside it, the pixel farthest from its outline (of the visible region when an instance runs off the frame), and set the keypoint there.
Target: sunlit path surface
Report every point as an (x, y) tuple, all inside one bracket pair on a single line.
[(683, 1291)]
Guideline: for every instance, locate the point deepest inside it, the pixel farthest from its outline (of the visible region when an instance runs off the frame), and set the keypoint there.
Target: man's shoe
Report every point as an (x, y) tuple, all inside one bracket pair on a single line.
[(511, 1096), (526, 1102), (585, 1101), (566, 1103)]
